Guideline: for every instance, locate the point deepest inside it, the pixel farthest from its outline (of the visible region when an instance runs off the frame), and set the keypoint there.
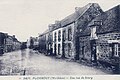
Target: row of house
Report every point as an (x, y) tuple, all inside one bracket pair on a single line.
[(8, 43), (62, 36), (89, 34)]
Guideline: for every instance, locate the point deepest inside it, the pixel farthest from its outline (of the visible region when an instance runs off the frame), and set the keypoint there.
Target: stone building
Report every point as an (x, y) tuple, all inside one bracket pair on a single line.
[(2, 42), (33, 43), (45, 41), (9, 43), (16, 43), (61, 39), (100, 40), (50, 39), (71, 27), (68, 25), (63, 35), (90, 11), (57, 39), (42, 39), (23, 45), (36, 43)]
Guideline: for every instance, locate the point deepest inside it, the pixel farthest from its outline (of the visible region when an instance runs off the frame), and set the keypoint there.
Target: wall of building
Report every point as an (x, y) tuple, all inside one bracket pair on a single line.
[(57, 43), (103, 43), (68, 43), (103, 46), (49, 43), (9, 44), (42, 43), (107, 31), (85, 48), (82, 23), (2, 39)]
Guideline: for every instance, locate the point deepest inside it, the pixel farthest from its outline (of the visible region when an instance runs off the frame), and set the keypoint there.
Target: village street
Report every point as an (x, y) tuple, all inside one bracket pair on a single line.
[(29, 62)]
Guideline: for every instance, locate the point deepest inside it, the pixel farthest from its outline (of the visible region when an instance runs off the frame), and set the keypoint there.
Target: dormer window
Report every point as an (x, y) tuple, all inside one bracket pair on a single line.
[(93, 33), (93, 29), (98, 23)]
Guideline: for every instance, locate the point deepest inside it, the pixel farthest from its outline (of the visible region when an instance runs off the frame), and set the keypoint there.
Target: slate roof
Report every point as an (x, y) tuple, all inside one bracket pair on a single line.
[(110, 22), (45, 32), (15, 39), (71, 18)]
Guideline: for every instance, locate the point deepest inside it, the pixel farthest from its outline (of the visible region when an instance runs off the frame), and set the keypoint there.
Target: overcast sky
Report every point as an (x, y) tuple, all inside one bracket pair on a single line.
[(25, 18)]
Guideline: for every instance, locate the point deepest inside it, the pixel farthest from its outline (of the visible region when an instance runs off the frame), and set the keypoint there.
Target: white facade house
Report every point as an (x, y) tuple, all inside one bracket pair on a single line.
[(57, 42)]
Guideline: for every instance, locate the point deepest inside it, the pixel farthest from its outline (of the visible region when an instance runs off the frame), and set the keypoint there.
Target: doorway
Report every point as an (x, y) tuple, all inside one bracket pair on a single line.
[(93, 51)]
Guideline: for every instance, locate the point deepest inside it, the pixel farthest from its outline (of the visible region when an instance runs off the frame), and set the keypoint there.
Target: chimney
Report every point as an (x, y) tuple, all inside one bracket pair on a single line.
[(57, 22), (77, 9), (14, 36)]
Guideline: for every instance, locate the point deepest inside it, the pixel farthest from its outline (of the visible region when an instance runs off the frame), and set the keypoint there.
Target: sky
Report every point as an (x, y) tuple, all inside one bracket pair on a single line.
[(25, 18)]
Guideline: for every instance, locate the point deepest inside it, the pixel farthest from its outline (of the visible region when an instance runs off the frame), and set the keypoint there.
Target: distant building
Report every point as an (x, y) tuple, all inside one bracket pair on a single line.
[(57, 39), (9, 43), (2, 42), (35, 43), (16, 43), (43, 45), (30, 42), (23, 45)]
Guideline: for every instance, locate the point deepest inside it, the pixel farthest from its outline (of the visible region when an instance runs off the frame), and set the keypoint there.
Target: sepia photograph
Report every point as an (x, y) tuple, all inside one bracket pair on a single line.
[(59, 37)]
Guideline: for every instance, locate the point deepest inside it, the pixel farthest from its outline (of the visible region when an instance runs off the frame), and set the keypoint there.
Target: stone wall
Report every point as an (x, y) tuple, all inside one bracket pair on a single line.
[(68, 44), (103, 48), (82, 23), (85, 48)]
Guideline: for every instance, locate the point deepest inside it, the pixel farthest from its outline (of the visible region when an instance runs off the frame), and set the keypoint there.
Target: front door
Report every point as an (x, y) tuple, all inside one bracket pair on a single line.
[(55, 49), (93, 51), (58, 49), (82, 52)]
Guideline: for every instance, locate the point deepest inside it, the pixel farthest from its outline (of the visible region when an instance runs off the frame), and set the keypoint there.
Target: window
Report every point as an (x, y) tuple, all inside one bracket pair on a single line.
[(58, 49), (59, 35), (93, 33), (55, 37), (93, 29), (64, 35), (69, 34), (98, 23), (80, 30), (116, 50), (69, 50)]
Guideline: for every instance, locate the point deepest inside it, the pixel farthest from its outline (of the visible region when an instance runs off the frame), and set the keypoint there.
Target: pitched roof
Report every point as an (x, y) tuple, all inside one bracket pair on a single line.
[(14, 39), (71, 18), (110, 22), (45, 32)]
